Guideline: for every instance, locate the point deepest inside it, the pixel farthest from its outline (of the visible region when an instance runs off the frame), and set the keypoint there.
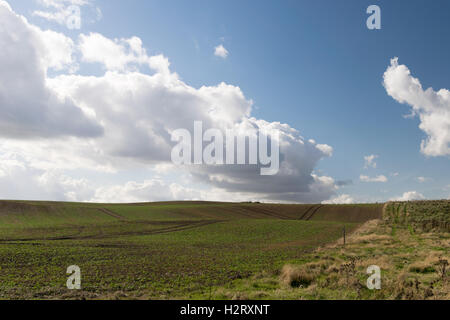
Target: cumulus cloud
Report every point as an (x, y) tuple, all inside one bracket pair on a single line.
[(221, 52), (28, 107), (432, 107), (380, 178), (160, 190), (143, 133), (370, 161), (341, 199), (118, 54), (58, 51), (123, 120), (149, 190), (326, 149), (409, 196), (20, 179)]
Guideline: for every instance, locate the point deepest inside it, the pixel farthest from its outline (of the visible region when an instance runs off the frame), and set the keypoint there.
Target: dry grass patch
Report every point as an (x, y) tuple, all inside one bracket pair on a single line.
[(297, 276), (357, 236), (369, 238), (384, 262)]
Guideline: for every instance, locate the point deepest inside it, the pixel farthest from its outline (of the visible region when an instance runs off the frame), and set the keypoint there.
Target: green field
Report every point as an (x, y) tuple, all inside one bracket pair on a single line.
[(410, 245), (157, 250)]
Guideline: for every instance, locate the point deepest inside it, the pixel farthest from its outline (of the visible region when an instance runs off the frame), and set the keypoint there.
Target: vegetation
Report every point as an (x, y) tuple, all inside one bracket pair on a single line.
[(156, 250), (412, 254), (424, 215), (204, 250)]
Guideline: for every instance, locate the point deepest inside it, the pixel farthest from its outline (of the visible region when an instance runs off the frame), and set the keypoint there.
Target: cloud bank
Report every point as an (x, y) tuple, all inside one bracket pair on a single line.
[(409, 196), (342, 199), (78, 137)]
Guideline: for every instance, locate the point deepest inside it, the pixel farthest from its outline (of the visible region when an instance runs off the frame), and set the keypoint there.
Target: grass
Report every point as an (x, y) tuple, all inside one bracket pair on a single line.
[(161, 265), (154, 251), (414, 265), (205, 250)]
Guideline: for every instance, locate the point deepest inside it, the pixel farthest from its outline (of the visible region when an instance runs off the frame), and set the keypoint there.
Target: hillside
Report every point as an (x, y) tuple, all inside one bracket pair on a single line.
[(36, 214), (410, 245), (208, 250), (22, 220)]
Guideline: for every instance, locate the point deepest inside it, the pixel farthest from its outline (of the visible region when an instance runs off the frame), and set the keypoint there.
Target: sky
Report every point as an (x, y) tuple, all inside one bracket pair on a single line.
[(87, 110)]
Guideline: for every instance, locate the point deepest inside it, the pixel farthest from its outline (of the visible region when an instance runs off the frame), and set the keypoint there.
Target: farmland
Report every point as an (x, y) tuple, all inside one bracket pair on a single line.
[(207, 250), (155, 250), (411, 246)]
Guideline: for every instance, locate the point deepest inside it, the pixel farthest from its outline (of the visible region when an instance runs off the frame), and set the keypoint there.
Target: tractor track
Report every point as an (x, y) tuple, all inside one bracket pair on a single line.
[(269, 213), (306, 212), (314, 212), (310, 212), (179, 227), (112, 214)]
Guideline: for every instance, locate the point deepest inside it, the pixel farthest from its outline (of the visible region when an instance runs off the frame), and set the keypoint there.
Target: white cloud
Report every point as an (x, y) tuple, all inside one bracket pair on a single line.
[(118, 54), (370, 161), (423, 179), (59, 16), (149, 190), (326, 149), (20, 179), (28, 107), (62, 187), (409, 196), (341, 199), (380, 178), (60, 11), (159, 190), (58, 51), (108, 125), (432, 107), (221, 52), (61, 3)]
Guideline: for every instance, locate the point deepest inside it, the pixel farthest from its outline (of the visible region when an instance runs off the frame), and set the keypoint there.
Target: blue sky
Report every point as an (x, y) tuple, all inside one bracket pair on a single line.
[(311, 64)]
